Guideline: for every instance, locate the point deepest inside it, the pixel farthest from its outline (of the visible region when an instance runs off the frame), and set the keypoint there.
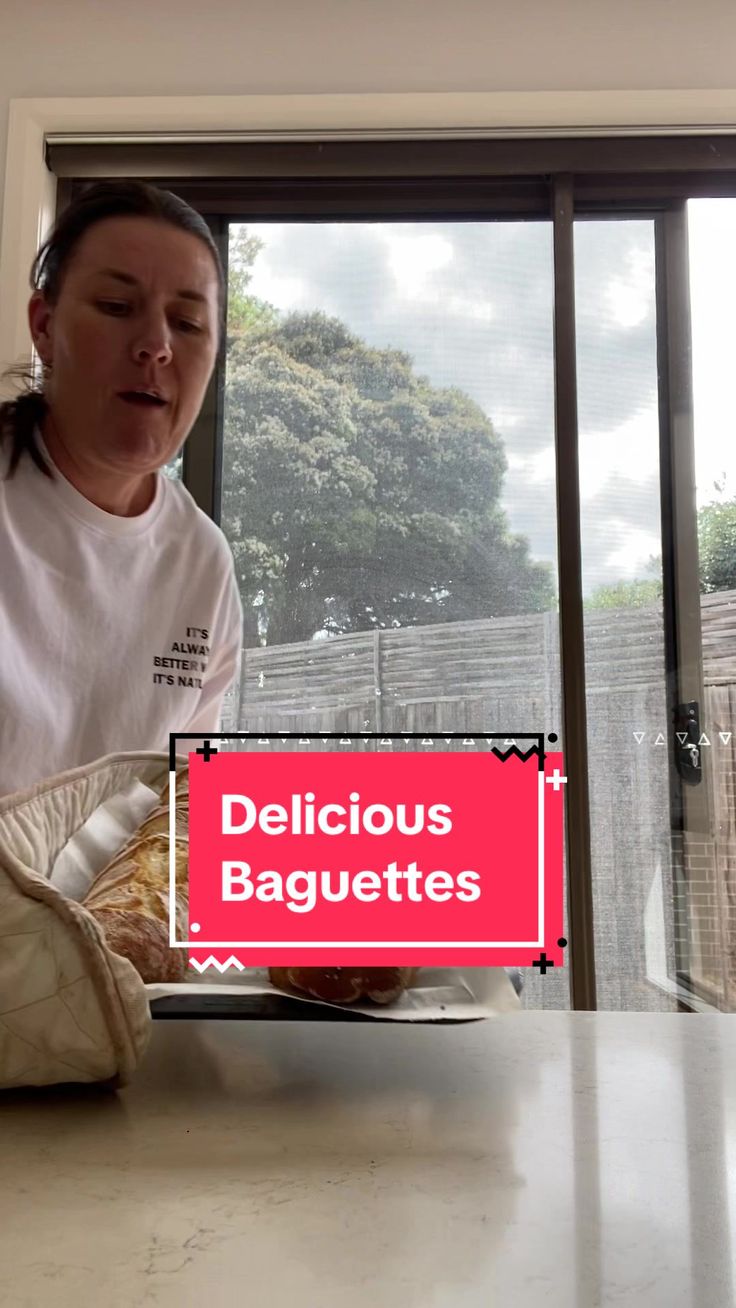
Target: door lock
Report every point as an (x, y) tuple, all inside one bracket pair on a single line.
[(687, 742)]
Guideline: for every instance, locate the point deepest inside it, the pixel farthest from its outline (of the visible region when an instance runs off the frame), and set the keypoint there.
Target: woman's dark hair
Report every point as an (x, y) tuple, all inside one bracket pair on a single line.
[(119, 199)]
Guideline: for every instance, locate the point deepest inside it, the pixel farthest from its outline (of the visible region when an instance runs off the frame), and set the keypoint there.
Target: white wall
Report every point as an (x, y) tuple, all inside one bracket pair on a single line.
[(179, 47)]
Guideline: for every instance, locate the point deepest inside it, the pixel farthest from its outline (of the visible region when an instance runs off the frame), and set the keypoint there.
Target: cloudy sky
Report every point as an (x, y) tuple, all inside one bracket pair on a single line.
[(472, 304)]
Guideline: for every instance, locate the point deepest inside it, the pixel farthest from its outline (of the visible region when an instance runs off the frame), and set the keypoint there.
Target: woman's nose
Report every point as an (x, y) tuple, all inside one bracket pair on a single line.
[(154, 344)]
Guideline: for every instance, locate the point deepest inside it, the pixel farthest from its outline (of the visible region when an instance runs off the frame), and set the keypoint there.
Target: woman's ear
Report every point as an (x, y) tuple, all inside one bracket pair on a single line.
[(40, 321)]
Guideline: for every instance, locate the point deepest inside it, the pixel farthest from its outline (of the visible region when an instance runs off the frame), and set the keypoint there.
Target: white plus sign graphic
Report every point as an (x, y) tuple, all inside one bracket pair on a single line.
[(556, 779)]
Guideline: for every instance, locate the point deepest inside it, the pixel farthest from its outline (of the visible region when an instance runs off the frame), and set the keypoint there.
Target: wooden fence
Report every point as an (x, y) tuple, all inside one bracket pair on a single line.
[(503, 675)]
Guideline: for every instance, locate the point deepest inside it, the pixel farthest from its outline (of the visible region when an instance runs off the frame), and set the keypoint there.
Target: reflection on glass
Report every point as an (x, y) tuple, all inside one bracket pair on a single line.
[(624, 633), (388, 480), (710, 860)]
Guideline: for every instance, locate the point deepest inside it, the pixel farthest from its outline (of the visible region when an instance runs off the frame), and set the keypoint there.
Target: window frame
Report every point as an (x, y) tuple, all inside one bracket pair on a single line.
[(560, 179)]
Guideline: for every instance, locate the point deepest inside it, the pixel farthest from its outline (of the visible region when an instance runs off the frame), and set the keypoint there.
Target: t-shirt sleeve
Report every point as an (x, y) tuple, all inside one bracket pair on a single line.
[(223, 667)]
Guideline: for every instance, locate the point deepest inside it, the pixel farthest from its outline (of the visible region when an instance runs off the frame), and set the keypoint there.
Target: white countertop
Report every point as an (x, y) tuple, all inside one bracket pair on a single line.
[(541, 1160)]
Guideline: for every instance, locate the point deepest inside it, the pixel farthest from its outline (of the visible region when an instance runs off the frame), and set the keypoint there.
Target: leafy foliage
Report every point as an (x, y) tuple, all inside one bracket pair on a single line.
[(716, 558), (626, 594), (717, 546), (358, 496)]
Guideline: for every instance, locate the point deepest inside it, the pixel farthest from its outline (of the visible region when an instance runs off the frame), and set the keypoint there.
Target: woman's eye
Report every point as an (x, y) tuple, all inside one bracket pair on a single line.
[(186, 325), (115, 307)]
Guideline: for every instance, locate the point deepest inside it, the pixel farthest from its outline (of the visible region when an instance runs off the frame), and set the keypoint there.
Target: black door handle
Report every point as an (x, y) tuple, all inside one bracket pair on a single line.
[(687, 743)]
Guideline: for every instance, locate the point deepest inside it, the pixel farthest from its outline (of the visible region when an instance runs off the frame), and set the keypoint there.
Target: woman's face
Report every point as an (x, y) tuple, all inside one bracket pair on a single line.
[(131, 342)]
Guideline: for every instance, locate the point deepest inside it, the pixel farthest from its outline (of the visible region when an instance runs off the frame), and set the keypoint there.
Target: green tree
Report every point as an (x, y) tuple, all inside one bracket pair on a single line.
[(359, 496), (626, 595), (246, 313), (717, 546), (716, 561)]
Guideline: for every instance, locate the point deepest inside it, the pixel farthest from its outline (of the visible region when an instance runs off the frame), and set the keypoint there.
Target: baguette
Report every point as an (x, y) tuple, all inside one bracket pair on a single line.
[(129, 898), (345, 985)]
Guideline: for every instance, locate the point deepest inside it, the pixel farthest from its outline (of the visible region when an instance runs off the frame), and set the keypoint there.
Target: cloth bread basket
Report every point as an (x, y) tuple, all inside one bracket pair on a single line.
[(70, 1009)]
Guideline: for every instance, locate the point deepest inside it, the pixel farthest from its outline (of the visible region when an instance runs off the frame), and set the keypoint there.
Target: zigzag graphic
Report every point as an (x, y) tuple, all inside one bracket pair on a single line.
[(530, 753), (211, 961)]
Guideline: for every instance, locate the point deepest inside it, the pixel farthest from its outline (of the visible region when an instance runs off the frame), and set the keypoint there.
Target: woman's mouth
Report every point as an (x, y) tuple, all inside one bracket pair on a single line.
[(143, 399)]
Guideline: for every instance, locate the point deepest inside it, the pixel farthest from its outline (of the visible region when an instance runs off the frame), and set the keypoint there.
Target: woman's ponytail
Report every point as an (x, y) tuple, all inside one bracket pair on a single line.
[(19, 420)]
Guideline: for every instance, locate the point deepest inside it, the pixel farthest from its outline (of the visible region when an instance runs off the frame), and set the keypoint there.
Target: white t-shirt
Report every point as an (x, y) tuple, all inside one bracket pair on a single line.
[(114, 631)]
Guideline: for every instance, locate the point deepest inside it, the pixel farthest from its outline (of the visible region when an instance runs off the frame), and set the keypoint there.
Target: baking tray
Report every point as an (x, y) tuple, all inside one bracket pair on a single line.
[(449, 997)]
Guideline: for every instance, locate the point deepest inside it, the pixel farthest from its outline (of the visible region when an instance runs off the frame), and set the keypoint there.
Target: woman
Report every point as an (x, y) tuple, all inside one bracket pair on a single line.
[(119, 608)]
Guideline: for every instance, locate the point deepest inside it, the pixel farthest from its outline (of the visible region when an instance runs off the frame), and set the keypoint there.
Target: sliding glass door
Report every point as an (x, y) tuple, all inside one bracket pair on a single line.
[(388, 480), (429, 344)]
